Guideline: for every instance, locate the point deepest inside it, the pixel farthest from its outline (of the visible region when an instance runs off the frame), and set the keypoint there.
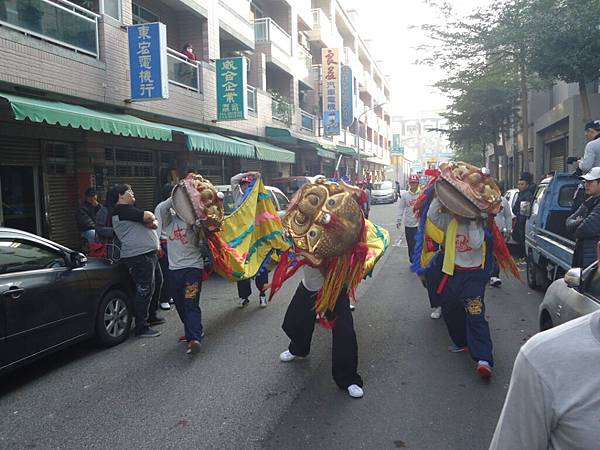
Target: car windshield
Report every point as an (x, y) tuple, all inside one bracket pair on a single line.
[(382, 186)]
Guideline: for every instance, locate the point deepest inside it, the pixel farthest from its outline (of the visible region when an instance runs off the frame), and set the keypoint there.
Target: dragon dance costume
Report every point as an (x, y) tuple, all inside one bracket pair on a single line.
[(455, 246)]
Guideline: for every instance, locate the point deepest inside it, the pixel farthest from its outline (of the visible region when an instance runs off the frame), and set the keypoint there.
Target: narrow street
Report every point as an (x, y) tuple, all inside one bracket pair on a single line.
[(237, 395)]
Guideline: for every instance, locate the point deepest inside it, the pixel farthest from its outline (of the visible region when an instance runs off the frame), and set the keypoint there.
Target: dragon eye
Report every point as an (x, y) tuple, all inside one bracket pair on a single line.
[(312, 233), (331, 202)]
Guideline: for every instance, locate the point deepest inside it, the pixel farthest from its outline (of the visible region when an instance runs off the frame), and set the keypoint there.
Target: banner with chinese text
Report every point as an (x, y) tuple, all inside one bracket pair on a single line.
[(397, 147), (331, 92), (232, 101), (148, 61), (347, 98)]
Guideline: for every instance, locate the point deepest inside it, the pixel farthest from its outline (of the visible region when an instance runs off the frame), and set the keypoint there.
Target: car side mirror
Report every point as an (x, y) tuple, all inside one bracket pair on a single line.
[(573, 277), (525, 209), (77, 260)]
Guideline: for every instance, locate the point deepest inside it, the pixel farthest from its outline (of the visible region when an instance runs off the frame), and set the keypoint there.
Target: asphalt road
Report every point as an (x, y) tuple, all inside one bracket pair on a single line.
[(235, 394)]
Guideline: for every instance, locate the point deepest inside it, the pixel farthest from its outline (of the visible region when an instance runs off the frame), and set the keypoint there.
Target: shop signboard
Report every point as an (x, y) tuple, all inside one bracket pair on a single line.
[(232, 102), (397, 147), (347, 99), (148, 61), (331, 92)]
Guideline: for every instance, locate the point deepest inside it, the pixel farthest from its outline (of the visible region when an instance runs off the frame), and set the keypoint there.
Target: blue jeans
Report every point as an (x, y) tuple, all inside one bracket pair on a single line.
[(186, 285), (463, 310), (88, 235), (146, 275)]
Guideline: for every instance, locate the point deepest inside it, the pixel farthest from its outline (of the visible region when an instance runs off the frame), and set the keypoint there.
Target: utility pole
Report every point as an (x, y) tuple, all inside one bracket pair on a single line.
[(357, 134)]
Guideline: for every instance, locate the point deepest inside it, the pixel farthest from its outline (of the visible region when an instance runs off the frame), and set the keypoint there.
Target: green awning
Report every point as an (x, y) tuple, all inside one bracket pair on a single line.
[(288, 136), (215, 143), (325, 153), (268, 152), (344, 150), (67, 114)]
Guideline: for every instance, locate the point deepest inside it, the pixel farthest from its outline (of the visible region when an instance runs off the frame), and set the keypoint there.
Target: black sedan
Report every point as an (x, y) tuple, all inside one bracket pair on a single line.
[(51, 297)]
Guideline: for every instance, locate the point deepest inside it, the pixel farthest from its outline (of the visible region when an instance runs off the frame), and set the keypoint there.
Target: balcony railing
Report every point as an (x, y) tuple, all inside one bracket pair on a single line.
[(60, 22), (267, 30), (282, 110), (251, 93), (183, 72), (305, 59), (308, 121)]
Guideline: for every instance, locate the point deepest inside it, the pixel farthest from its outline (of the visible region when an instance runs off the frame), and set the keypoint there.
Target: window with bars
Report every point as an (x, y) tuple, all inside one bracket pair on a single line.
[(59, 158), (128, 162)]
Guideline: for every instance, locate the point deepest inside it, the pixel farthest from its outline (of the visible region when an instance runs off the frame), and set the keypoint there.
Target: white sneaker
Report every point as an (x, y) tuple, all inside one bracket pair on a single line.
[(495, 281), (243, 302), (355, 391), (352, 306), (436, 313), (262, 301), (286, 356), (166, 306)]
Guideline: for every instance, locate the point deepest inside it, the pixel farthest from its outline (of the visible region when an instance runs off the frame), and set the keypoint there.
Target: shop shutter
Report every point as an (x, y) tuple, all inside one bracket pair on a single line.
[(18, 151), (61, 193), (557, 156), (145, 189)]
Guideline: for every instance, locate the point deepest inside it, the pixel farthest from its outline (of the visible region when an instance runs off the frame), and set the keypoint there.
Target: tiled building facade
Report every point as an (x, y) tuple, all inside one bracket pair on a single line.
[(76, 53)]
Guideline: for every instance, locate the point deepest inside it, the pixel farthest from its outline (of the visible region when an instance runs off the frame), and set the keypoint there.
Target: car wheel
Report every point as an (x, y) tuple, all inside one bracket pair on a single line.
[(532, 270), (113, 319)]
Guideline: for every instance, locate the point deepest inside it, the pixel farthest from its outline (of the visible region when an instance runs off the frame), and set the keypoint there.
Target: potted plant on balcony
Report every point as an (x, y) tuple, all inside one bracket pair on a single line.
[(30, 15), (282, 108)]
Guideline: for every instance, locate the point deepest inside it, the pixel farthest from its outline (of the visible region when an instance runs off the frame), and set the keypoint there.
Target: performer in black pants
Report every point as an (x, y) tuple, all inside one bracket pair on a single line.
[(245, 289), (299, 324)]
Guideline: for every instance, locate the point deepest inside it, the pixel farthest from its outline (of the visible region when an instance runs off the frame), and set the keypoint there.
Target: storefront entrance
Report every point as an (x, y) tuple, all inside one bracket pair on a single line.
[(20, 199)]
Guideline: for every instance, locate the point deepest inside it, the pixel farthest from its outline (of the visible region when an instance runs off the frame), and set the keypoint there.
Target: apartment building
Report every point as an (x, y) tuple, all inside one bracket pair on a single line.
[(67, 120)]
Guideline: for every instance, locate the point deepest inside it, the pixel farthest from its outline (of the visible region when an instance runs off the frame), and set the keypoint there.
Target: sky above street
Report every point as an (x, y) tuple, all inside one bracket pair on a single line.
[(393, 28)]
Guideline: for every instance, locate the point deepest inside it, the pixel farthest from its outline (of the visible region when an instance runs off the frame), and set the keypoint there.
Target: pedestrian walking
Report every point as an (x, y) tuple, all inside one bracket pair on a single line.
[(585, 222), (186, 254), (462, 293), (241, 185), (299, 325), (525, 195), (554, 393), (503, 220), (136, 229), (408, 217), (86, 217)]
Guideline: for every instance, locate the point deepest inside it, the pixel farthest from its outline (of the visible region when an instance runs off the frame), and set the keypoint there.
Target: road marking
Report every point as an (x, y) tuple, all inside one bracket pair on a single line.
[(397, 244)]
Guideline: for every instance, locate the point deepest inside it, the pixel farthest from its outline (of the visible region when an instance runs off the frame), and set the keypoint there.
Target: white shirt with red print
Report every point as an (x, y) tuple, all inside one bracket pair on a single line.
[(406, 204), (469, 237)]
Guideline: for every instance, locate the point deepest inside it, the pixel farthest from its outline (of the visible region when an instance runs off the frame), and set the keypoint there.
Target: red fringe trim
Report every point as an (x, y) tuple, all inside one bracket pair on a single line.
[(283, 272), (501, 253)]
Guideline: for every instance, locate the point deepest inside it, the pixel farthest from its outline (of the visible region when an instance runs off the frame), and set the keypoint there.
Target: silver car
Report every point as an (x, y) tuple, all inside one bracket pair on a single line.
[(575, 295)]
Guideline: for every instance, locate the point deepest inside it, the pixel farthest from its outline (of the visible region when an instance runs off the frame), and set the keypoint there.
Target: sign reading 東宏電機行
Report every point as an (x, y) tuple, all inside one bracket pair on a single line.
[(231, 89), (347, 98), (331, 92), (148, 61)]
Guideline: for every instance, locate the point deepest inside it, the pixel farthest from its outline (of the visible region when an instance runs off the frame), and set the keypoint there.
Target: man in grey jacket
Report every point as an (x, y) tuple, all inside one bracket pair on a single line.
[(553, 401)]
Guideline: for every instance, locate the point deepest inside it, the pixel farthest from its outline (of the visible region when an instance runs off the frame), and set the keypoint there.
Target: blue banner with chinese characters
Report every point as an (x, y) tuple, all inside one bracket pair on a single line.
[(347, 100), (148, 61), (397, 147), (232, 99)]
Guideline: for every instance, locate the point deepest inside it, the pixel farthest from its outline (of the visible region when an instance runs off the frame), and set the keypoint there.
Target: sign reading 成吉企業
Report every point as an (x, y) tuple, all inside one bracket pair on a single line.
[(231, 89)]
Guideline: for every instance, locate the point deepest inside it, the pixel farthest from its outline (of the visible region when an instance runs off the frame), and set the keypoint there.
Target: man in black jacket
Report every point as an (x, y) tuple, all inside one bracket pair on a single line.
[(525, 195), (86, 216), (585, 222)]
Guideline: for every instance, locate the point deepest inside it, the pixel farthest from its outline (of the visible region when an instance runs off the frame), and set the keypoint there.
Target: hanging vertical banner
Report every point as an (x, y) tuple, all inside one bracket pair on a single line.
[(148, 61), (331, 92), (397, 147), (347, 99), (232, 102)]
